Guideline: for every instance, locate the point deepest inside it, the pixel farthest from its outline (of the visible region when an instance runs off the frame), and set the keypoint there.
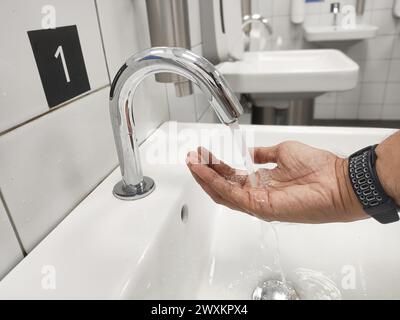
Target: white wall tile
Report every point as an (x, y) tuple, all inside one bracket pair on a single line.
[(125, 31), (181, 108), (209, 116), (194, 22), (385, 20), (21, 93), (265, 8), (327, 98), (369, 111), (10, 251), (396, 48), (392, 93), (382, 4), (50, 164), (346, 111), (375, 70), (394, 74), (350, 96), (281, 7), (325, 111), (391, 111), (380, 47), (372, 93)]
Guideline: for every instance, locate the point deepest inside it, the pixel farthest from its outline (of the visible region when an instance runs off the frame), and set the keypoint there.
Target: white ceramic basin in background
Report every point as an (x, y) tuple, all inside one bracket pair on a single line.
[(108, 248), (291, 74), (337, 33)]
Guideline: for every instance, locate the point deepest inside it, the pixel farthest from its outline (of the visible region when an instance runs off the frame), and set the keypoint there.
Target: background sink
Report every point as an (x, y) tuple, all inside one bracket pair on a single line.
[(152, 249), (337, 33), (291, 74)]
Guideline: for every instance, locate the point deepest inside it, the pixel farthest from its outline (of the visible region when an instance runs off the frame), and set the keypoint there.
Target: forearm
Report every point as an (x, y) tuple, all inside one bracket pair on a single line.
[(388, 166)]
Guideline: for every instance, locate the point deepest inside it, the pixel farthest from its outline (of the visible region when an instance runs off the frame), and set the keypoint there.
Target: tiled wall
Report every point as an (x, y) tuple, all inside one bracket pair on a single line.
[(377, 95), (50, 160)]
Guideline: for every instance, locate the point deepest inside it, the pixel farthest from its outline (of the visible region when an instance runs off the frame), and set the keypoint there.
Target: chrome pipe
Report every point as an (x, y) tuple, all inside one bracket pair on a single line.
[(150, 62)]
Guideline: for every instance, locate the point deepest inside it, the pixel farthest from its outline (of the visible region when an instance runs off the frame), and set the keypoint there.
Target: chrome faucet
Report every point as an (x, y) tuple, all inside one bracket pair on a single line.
[(255, 18), (335, 9), (149, 62)]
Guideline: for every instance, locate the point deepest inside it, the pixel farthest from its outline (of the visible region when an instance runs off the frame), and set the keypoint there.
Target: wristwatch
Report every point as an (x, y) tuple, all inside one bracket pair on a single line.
[(368, 189)]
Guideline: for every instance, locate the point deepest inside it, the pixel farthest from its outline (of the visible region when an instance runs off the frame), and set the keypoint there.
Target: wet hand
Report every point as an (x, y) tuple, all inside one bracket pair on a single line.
[(308, 185)]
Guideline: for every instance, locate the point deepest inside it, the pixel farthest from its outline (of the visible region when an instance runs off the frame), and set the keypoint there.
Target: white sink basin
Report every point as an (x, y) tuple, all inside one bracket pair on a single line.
[(107, 248), (298, 73), (332, 33)]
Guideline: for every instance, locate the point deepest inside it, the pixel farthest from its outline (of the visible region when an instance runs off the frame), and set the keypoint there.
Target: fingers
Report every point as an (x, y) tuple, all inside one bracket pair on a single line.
[(230, 193), (214, 163), (265, 155), (193, 162)]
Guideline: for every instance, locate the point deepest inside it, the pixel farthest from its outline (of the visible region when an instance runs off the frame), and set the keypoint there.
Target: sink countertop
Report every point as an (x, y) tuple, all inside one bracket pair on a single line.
[(97, 247)]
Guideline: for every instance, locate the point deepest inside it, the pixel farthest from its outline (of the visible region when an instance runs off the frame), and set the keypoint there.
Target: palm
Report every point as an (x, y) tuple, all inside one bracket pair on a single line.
[(299, 186), (302, 188)]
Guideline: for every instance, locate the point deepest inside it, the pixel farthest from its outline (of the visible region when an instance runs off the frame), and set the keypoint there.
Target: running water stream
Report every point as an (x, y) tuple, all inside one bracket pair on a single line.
[(240, 140)]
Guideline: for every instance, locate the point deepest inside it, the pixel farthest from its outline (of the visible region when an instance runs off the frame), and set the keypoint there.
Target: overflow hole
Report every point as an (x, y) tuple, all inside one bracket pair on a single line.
[(185, 214)]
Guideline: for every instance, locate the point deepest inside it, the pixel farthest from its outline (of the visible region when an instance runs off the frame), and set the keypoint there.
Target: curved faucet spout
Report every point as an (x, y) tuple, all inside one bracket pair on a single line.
[(249, 19), (149, 62)]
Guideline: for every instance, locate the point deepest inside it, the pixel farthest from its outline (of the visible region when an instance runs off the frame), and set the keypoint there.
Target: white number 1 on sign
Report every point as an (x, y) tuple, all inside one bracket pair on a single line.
[(58, 53)]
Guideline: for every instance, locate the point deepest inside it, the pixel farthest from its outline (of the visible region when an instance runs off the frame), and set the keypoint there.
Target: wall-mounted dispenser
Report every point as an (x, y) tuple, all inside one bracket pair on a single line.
[(221, 30), (360, 7), (396, 9), (169, 27), (297, 11)]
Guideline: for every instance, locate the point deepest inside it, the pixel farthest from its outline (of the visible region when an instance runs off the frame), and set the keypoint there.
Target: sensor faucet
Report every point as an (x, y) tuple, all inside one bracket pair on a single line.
[(256, 18), (335, 9), (149, 62)]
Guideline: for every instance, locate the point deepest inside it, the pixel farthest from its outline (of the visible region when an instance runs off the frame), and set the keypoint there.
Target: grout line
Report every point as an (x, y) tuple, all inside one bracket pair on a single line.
[(60, 106), (8, 213), (387, 81), (102, 41)]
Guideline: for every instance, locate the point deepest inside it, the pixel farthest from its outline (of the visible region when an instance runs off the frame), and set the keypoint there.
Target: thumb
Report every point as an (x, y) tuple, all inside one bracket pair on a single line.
[(265, 154)]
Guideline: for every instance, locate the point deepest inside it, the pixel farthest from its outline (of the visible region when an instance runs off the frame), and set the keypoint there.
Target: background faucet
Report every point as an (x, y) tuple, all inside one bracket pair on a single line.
[(335, 9), (149, 62), (255, 18)]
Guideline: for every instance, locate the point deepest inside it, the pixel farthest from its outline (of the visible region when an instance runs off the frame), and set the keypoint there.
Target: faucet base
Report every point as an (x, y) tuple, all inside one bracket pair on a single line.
[(143, 189)]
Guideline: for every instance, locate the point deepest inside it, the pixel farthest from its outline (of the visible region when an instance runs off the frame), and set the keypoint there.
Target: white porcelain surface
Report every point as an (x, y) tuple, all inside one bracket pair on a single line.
[(10, 251), (334, 33), (49, 165), (307, 72), (107, 248), (21, 93)]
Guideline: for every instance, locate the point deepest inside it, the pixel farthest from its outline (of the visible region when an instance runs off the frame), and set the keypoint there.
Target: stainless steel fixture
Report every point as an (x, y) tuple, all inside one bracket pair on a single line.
[(169, 27), (150, 62), (360, 7), (335, 9), (255, 18)]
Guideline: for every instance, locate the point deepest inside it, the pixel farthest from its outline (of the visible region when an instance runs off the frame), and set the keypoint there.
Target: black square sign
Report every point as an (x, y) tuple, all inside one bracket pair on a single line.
[(59, 58)]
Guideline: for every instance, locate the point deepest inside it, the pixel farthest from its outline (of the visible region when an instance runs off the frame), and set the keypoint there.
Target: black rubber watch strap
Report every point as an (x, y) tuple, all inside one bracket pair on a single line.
[(368, 189)]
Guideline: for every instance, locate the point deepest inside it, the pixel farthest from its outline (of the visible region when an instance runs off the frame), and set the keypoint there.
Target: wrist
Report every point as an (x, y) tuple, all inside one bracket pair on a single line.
[(352, 207)]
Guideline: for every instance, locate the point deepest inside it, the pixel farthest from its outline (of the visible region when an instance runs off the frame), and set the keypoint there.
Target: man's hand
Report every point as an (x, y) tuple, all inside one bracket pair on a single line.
[(307, 186)]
